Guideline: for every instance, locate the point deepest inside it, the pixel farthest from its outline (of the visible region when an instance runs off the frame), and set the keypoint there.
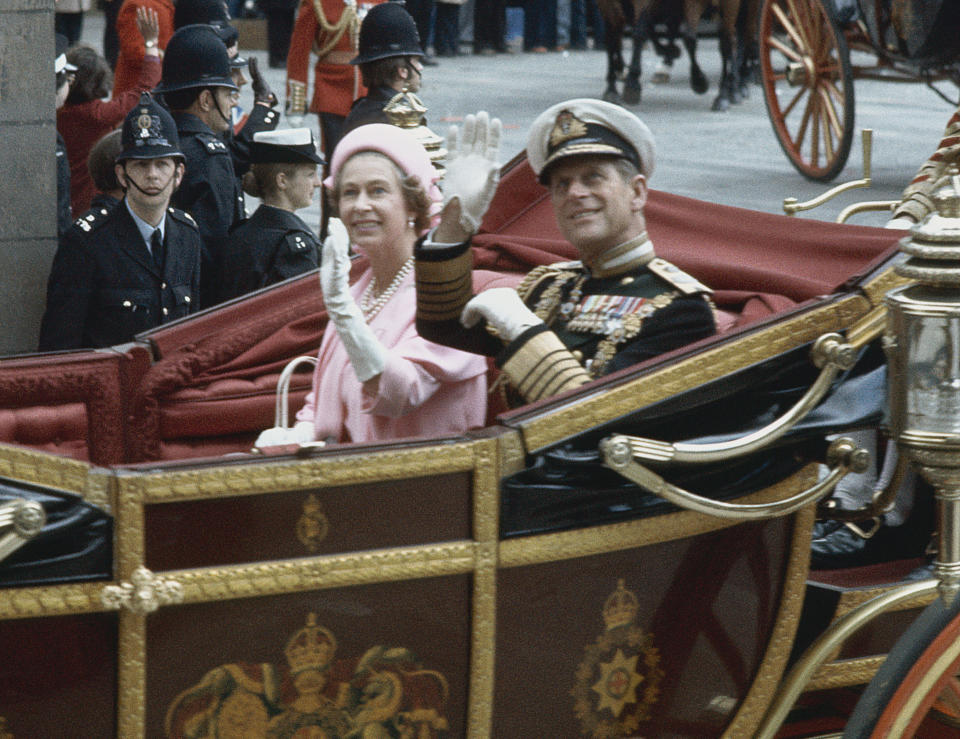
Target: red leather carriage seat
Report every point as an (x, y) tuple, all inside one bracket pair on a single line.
[(72, 404)]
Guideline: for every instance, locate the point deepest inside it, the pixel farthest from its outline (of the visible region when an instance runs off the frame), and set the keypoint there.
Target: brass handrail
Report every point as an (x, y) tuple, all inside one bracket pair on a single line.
[(830, 353), (791, 206), (842, 457)]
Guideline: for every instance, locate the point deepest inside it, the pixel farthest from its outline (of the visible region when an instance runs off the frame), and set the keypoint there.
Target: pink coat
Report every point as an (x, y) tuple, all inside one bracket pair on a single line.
[(425, 390)]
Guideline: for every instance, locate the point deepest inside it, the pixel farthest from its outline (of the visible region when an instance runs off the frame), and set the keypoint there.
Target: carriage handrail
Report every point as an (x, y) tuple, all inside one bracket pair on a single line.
[(20, 521), (882, 500), (830, 353), (842, 456), (791, 206), (865, 206)]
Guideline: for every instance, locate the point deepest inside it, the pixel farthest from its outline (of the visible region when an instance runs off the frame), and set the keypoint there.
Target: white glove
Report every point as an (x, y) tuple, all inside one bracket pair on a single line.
[(503, 310), (473, 168), (366, 353), (902, 222), (301, 433)]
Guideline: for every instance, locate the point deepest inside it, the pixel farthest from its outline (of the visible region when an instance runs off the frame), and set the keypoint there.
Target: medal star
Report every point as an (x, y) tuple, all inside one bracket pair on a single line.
[(618, 683)]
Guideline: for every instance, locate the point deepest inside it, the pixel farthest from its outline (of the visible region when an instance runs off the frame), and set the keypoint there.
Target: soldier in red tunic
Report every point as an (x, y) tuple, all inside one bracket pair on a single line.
[(328, 28)]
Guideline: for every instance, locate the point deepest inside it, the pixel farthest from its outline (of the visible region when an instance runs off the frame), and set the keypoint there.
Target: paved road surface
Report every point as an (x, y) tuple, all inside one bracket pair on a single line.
[(731, 158)]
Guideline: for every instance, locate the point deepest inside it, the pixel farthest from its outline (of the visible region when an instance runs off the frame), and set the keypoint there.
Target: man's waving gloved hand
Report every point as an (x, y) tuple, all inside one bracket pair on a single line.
[(366, 353), (472, 169)]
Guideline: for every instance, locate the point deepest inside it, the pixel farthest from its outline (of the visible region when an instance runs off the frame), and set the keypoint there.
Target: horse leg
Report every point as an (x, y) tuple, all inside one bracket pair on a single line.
[(632, 89), (693, 9), (667, 51), (729, 76), (750, 45), (614, 21)]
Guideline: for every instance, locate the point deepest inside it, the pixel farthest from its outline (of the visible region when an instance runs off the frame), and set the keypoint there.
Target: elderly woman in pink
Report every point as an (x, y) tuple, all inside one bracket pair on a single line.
[(376, 378)]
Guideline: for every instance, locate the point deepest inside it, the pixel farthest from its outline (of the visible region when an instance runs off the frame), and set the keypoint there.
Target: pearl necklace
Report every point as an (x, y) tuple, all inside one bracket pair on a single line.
[(371, 303)]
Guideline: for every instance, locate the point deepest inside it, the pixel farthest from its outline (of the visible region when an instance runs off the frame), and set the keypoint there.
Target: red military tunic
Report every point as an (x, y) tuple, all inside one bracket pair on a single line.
[(131, 55), (329, 29)]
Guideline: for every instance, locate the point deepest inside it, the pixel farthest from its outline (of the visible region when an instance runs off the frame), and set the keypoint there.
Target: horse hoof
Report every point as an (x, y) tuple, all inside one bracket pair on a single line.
[(720, 105), (631, 96), (662, 74), (698, 82), (611, 96)]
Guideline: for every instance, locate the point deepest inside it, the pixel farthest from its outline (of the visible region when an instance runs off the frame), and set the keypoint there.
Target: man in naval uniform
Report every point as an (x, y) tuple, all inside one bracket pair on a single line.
[(122, 271), (390, 61), (198, 88), (570, 322)]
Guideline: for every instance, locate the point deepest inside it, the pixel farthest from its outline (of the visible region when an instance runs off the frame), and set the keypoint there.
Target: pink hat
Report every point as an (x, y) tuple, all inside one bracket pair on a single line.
[(395, 143)]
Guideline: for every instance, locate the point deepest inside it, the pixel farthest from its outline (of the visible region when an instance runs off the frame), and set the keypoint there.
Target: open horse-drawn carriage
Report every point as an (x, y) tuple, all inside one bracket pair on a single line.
[(811, 51), (161, 580)]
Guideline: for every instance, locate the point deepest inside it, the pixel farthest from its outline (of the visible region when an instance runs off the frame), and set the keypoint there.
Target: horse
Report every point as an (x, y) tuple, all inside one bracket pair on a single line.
[(738, 44)]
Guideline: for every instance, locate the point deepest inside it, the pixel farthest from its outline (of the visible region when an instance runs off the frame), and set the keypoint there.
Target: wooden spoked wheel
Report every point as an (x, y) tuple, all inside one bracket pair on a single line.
[(926, 702), (808, 85)]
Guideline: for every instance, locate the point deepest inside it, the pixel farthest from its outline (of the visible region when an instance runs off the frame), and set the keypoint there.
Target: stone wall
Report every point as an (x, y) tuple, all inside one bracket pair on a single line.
[(28, 187)]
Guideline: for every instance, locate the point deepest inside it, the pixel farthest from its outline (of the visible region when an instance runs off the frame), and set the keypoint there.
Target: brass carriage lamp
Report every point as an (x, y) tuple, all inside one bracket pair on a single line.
[(922, 342)]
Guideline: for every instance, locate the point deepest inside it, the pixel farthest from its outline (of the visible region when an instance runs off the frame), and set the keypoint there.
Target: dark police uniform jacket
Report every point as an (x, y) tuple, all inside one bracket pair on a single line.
[(210, 192), (270, 246), (63, 187), (261, 118), (592, 326), (104, 286)]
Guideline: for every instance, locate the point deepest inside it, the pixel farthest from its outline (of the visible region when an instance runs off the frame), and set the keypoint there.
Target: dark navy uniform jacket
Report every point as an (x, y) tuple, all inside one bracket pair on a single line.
[(104, 286), (270, 246), (261, 118), (63, 187), (210, 192)]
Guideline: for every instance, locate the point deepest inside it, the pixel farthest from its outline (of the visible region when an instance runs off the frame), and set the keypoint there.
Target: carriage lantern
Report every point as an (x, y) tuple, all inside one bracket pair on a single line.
[(922, 342)]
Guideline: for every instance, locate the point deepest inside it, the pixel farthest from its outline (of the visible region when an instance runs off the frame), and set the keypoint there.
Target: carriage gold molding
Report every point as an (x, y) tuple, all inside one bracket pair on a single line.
[(584, 413), (52, 600), (850, 599), (47, 470), (771, 669), (845, 673), (263, 476), (616, 537)]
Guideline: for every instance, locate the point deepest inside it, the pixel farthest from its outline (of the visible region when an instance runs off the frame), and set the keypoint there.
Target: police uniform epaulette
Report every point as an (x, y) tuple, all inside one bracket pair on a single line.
[(92, 219), (183, 217), (212, 143), (297, 241), (687, 284), (543, 272)]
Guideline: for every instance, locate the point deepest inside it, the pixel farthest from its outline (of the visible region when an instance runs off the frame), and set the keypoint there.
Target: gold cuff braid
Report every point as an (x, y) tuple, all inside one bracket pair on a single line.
[(443, 288), (296, 98), (543, 367)]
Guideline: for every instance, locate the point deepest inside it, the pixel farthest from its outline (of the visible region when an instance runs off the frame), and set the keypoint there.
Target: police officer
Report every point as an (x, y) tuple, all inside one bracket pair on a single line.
[(390, 61), (122, 271), (274, 244), (198, 88), (569, 322)]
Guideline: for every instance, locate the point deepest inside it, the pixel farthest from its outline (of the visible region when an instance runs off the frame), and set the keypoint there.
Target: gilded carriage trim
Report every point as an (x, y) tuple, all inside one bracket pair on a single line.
[(320, 573), (490, 457), (51, 600), (642, 532), (850, 599), (43, 468), (754, 706), (845, 673), (712, 364), (877, 288), (132, 675), (316, 472)]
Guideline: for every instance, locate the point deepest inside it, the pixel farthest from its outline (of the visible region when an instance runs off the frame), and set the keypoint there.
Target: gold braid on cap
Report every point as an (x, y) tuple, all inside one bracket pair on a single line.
[(348, 21)]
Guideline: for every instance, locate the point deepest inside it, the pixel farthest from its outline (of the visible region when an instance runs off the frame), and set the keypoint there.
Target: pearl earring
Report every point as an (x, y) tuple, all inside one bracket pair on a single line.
[(410, 222)]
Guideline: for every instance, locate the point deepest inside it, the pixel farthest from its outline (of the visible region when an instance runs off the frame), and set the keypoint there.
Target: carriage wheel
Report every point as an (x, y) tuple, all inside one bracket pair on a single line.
[(916, 692), (808, 85)]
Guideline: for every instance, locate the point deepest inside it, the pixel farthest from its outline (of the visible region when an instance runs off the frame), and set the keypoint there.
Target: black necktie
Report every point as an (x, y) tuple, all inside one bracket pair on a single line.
[(156, 248)]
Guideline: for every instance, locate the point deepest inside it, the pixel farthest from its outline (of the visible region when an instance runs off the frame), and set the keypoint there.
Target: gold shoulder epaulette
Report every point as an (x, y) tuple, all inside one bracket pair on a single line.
[(538, 274), (685, 283)]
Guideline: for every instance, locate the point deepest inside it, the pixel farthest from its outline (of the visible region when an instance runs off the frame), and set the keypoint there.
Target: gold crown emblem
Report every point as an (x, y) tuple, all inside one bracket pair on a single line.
[(567, 126), (310, 648), (620, 608)]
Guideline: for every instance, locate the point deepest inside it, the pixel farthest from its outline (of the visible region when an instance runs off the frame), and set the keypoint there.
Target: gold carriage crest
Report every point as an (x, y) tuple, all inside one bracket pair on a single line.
[(313, 524), (386, 692), (618, 681)]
